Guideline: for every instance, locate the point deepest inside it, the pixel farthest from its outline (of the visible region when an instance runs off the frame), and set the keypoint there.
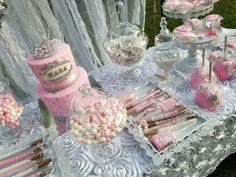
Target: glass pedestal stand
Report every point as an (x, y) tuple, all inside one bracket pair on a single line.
[(193, 59), (194, 13)]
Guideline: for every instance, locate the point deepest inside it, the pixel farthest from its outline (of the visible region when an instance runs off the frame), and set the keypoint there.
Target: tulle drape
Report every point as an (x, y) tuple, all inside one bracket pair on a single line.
[(81, 23)]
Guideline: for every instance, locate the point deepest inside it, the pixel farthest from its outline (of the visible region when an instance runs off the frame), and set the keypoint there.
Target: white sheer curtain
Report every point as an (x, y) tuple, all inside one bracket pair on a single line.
[(81, 23)]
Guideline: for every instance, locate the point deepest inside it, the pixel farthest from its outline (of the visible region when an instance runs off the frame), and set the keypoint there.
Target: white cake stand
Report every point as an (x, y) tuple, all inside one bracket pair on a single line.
[(193, 13), (191, 62)]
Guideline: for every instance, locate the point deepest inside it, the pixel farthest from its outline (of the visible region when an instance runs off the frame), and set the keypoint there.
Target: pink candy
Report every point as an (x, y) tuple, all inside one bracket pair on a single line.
[(232, 44), (184, 6), (10, 111), (194, 23), (100, 126), (225, 70), (169, 104), (209, 97), (198, 77), (163, 139)]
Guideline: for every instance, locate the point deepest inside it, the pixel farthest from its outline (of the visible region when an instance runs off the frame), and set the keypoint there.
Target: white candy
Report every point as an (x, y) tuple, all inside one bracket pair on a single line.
[(94, 131), (94, 126), (81, 110), (113, 134), (74, 131), (108, 112), (87, 125), (103, 139), (104, 126), (118, 129), (117, 123), (114, 110)]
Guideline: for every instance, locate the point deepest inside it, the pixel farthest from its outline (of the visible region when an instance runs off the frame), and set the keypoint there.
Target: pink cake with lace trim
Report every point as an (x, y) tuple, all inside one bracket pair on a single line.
[(53, 64)]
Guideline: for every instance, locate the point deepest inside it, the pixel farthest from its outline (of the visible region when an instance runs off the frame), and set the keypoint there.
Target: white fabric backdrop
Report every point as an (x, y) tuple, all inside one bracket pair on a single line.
[(81, 23)]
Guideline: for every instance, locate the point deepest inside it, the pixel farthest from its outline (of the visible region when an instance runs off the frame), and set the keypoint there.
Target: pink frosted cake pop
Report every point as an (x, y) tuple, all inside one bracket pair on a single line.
[(232, 44), (224, 64), (194, 23), (213, 20), (208, 96), (225, 69), (198, 77)]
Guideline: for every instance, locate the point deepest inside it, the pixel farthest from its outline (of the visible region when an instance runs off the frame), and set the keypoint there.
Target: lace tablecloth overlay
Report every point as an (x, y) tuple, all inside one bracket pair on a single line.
[(122, 157), (197, 155)]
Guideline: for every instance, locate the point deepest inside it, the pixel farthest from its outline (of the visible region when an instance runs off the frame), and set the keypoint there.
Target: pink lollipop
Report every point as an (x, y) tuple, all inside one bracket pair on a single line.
[(208, 95), (224, 67)]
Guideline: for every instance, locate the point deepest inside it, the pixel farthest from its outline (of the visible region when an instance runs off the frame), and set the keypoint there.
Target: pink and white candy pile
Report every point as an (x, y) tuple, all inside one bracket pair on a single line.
[(209, 96), (224, 69), (10, 111), (102, 126), (195, 29), (184, 6)]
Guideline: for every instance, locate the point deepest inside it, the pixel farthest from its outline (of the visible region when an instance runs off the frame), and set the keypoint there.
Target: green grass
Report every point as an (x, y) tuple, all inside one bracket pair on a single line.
[(225, 8)]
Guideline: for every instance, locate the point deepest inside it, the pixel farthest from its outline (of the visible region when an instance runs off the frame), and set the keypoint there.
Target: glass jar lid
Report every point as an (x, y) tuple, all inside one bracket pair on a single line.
[(88, 101), (165, 35)]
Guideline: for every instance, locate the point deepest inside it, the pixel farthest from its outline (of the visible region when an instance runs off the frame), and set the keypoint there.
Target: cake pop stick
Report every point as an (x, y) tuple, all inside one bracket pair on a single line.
[(210, 71), (225, 48), (203, 57)]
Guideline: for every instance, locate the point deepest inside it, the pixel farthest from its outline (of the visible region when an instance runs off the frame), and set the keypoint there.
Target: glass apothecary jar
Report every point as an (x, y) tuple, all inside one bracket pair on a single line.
[(126, 44), (165, 40), (10, 110), (95, 118)]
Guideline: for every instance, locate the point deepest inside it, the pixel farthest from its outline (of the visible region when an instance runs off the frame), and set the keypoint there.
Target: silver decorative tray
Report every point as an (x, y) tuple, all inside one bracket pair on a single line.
[(186, 132)]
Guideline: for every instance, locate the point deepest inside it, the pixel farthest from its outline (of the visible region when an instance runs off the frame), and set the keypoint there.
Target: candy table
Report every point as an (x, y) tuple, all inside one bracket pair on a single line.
[(128, 156), (197, 155)]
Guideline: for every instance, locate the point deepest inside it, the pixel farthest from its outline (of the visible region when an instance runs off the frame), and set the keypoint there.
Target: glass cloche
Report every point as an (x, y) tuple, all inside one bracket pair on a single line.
[(10, 110), (95, 118), (165, 40)]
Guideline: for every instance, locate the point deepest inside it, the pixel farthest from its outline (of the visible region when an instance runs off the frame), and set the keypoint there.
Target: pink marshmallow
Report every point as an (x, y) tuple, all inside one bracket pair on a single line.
[(224, 69), (208, 96)]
